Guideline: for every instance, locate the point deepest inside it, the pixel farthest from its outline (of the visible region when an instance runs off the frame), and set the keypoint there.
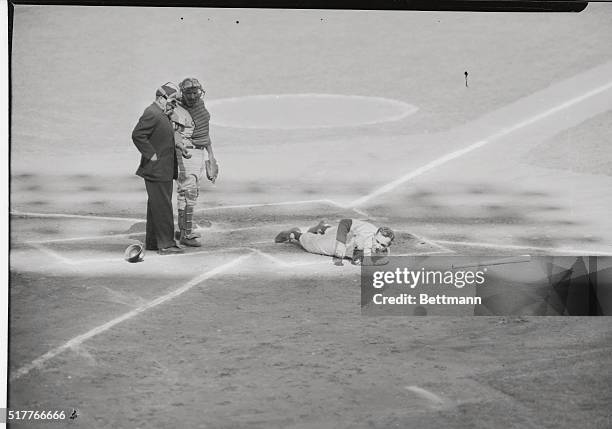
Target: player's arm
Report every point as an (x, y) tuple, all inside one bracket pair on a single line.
[(142, 132), (213, 172), (344, 227), (209, 149), (179, 142), (179, 135)]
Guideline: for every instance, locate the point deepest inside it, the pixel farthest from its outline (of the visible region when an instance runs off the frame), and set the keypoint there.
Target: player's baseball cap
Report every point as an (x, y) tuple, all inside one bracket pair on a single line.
[(168, 90)]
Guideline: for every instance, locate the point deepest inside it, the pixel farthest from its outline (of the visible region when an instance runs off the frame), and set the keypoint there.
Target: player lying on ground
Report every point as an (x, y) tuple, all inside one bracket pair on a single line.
[(352, 239)]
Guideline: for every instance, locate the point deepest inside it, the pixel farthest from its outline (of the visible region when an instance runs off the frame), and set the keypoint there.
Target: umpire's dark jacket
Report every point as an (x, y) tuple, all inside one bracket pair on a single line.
[(154, 134)]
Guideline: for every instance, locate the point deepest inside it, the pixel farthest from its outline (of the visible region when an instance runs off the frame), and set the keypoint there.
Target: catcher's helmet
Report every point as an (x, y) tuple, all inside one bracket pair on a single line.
[(190, 82), (134, 253)]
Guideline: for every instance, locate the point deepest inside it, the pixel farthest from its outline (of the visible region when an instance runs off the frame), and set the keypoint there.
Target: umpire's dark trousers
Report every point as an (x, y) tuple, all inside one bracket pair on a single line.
[(160, 221)]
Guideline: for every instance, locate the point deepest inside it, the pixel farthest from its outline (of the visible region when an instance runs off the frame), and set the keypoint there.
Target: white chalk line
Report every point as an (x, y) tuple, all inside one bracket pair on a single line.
[(284, 264), (343, 206), (81, 238), (242, 206), (361, 213), (458, 153), (153, 254), (434, 399), (125, 235), (415, 173), (431, 242), (406, 110), (211, 230), (270, 257), (439, 252), (74, 216), (117, 218), (76, 341), (437, 243), (53, 254), (207, 230), (521, 247)]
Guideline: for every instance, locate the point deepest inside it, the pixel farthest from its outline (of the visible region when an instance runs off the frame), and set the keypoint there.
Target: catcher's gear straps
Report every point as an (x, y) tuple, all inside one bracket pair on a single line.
[(181, 218), (188, 220)]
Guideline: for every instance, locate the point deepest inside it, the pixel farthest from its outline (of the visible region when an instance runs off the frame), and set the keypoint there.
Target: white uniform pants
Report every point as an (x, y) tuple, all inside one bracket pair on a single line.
[(190, 175), (322, 244)]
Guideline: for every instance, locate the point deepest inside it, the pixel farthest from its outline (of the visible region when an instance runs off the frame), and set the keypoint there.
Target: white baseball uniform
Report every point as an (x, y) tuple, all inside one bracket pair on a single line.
[(355, 234)]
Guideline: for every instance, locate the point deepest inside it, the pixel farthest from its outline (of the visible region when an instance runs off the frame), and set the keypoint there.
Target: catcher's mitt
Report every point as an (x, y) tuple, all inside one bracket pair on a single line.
[(134, 253), (212, 169)]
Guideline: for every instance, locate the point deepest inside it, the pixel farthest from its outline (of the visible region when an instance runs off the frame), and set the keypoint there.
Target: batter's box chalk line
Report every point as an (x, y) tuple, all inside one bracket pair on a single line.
[(504, 131), (434, 243), (561, 250), (80, 339)]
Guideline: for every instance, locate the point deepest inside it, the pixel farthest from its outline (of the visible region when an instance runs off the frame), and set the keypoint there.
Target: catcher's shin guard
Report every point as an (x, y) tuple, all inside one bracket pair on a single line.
[(187, 236), (180, 220)]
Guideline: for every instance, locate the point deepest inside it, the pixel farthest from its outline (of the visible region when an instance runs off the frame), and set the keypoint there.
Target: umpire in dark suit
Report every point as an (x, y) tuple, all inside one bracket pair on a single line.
[(154, 138)]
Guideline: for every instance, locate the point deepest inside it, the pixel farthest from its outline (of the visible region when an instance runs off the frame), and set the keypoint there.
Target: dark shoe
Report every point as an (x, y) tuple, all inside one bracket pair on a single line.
[(173, 250), (288, 235), (319, 228), (191, 241), (177, 235), (187, 239)]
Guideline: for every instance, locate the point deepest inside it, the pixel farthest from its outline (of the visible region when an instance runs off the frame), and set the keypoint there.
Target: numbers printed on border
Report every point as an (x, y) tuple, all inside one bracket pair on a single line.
[(16, 415)]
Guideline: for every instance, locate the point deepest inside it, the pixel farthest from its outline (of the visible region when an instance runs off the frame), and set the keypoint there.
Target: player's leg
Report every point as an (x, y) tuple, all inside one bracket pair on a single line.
[(150, 239), (288, 235), (180, 192), (160, 205), (181, 219), (319, 228), (188, 192), (180, 204), (322, 244), (295, 233), (189, 188), (186, 168)]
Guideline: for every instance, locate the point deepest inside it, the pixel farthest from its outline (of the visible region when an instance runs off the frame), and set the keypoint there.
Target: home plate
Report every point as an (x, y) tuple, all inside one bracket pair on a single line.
[(407, 244)]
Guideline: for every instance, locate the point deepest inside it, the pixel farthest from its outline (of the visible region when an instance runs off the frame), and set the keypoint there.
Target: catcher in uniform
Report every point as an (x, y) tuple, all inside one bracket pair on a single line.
[(194, 153), (352, 239)]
